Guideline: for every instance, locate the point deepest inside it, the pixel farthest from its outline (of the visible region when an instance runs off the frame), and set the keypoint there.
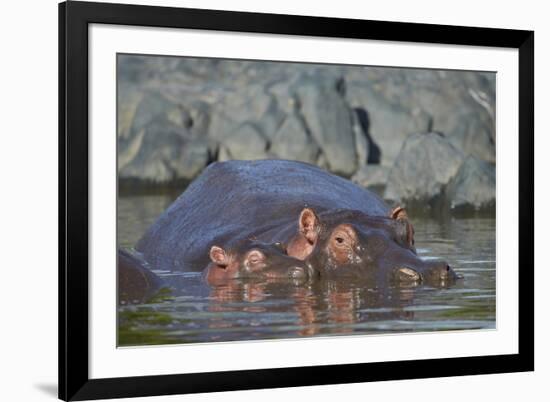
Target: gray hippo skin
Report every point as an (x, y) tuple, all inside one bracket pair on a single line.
[(136, 282), (335, 226)]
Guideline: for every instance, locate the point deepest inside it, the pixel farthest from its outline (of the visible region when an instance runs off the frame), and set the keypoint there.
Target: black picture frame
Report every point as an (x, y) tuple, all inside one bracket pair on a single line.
[(74, 19)]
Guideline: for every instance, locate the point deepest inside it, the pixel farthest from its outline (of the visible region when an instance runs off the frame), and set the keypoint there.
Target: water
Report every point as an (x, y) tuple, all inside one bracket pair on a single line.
[(244, 310)]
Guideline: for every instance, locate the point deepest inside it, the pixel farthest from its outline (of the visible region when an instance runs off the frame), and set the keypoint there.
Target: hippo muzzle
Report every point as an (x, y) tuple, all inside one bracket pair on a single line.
[(436, 273)]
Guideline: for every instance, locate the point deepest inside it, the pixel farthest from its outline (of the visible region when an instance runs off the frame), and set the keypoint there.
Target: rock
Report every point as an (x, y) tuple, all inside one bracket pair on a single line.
[(128, 101), (199, 118), (151, 106), (246, 143), (322, 161), (387, 124), (179, 116), (474, 136), (162, 152), (401, 101), (139, 68), (473, 187), (293, 142), (193, 159), (284, 93), (350, 116), (223, 154), (252, 105), (329, 120), (424, 166), (373, 177)]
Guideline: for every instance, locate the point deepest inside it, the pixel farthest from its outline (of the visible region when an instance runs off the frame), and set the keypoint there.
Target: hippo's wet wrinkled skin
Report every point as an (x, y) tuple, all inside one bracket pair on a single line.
[(253, 259), (245, 200), (379, 249), (336, 227)]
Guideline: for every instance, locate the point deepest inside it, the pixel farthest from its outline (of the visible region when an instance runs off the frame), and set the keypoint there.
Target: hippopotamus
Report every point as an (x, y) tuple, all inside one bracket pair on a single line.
[(253, 259), (335, 227), (136, 282)]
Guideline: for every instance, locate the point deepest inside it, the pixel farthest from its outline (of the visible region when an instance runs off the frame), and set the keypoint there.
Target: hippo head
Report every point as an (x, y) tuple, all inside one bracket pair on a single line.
[(253, 259), (348, 243)]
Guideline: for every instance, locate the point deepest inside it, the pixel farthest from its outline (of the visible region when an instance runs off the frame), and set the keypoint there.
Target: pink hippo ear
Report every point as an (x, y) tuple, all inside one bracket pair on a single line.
[(309, 225), (400, 214), (219, 256)]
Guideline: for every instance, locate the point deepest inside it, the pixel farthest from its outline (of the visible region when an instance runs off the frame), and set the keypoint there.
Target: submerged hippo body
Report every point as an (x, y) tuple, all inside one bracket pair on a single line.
[(335, 226), (136, 282)]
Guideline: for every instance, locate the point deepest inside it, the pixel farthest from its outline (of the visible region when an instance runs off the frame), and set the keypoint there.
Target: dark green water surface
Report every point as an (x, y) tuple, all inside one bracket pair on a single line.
[(244, 310)]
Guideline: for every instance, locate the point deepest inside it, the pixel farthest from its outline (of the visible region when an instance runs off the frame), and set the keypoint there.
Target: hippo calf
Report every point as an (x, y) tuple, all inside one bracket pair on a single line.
[(253, 259), (334, 226), (137, 283)]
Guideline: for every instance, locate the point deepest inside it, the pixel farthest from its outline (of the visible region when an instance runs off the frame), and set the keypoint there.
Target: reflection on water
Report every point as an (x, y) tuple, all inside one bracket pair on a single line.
[(243, 310)]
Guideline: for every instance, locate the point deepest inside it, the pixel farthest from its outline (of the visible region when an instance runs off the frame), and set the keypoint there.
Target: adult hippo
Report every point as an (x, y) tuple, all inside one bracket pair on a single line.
[(335, 226)]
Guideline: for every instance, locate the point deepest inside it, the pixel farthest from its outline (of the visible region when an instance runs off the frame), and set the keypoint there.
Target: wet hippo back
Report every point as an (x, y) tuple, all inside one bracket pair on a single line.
[(246, 199)]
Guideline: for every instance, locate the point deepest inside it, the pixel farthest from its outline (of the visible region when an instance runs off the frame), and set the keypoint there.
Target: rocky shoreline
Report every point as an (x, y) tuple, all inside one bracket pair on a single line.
[(423, 138)]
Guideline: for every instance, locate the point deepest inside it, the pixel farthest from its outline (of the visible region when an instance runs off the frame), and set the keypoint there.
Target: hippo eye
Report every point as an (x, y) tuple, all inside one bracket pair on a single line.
[(343, 237)]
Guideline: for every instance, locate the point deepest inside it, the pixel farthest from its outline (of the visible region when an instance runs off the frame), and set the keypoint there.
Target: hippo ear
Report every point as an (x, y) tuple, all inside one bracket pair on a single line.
[(219, 256), (309, 225), (400, 214)]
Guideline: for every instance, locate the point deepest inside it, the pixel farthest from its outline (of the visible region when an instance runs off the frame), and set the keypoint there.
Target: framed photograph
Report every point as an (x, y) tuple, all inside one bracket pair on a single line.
[(257, 200)]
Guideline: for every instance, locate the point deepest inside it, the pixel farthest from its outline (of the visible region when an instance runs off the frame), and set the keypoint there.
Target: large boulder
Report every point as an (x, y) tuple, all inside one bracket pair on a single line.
[(128, 99), (373, 177), (460, 104), (245, 143), (151, 106), (329, 120), (293, 142), (387, 124), (162, 152), (473, 134), (250, 105), (473, 187), (423, 168)]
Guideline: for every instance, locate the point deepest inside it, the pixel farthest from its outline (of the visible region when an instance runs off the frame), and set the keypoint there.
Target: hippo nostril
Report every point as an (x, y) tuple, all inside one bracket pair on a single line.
[(405, 274), (297, 272)]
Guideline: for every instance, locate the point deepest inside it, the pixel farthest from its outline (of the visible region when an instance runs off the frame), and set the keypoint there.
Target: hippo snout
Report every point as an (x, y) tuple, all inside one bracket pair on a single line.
[(434, 273), (439, 272)]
